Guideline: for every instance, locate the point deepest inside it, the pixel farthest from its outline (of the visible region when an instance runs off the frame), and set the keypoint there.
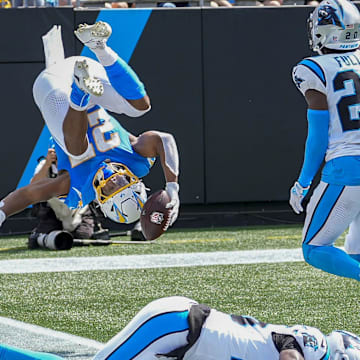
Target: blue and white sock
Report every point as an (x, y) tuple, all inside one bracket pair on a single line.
[(79, 100), (122, 77), (332, 260)]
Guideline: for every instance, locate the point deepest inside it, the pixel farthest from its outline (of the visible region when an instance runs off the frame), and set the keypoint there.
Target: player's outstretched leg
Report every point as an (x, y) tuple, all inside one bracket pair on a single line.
[(122, 77), (160, 327), (75, 123)]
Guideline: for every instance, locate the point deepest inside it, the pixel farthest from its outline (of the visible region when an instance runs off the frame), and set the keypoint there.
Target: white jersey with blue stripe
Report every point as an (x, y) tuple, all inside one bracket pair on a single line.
[(338, 77), (162, 327), (108, 140), (230, 337)]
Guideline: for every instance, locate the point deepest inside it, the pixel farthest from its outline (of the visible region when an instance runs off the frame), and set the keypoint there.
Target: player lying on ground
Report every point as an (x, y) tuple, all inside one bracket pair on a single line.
[(180, 328), (331, 86), (97, 158)]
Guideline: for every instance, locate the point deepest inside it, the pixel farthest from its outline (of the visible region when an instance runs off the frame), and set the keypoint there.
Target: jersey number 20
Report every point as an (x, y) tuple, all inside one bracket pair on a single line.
[(349, 105)]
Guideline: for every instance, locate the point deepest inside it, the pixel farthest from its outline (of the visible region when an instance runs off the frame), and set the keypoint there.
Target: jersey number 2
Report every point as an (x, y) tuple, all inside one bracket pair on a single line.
[(349, 105)]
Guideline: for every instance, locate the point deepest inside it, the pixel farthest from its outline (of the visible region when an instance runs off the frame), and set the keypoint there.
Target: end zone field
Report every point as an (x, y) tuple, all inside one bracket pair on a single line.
[(94, 303)]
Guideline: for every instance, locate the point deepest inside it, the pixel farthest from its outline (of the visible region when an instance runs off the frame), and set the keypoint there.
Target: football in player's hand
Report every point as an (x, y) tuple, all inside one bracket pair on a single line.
[(154, 217)]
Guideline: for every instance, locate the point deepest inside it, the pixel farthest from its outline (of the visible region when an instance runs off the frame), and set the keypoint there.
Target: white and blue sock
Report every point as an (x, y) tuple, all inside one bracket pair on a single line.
[(122, 77), (332, 260), (79, 100)]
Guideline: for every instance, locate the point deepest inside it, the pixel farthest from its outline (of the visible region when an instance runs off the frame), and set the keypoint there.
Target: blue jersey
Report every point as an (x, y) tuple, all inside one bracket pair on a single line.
[(108, 140)]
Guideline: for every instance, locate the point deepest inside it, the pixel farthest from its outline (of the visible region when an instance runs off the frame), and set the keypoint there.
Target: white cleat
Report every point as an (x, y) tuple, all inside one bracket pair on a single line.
[(85, 81), (94, 36)]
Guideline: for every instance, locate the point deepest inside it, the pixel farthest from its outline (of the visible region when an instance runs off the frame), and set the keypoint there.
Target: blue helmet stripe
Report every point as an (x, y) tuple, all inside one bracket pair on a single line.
[(315, 68), (341, 8), (327, 355)]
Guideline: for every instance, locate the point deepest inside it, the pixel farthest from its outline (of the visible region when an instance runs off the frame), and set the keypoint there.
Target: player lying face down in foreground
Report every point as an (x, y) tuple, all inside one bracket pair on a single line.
[(180, 328), (97, 158)]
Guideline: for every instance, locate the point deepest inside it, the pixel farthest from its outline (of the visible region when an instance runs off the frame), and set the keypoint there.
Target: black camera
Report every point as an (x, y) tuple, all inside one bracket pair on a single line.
[(55, 240)]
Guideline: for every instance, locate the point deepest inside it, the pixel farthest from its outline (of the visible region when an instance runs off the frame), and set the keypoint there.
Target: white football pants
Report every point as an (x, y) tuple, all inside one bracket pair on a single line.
[(158, 328), (331, 210), (52, 88)]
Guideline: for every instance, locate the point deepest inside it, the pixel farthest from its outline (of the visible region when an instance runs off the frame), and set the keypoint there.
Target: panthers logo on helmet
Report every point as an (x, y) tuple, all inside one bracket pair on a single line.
[(328, 16), (310, 341)]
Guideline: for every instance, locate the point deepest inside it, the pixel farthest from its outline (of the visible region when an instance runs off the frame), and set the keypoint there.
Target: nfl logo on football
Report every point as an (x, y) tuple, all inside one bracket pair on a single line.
[(157, 217)]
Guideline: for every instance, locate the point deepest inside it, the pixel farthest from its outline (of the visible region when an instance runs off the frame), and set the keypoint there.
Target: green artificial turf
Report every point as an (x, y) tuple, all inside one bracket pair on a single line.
[(97, 304), (174, 241)]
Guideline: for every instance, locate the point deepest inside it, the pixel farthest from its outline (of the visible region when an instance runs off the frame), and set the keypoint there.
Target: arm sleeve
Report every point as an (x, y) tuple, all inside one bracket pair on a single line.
[(316, 145)]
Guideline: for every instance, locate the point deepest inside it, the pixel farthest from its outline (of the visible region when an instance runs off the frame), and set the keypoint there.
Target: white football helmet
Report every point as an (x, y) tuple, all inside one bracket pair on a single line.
[(120, 193), (343, 345), (334, 24)]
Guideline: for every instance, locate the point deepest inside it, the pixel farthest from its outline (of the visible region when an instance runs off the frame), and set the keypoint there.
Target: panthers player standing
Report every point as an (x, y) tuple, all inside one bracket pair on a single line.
[(97, 158), (330, 84), (176, 328)]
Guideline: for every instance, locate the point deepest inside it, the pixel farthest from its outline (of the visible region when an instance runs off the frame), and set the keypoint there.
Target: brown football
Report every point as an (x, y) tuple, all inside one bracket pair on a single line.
[(155, 216)]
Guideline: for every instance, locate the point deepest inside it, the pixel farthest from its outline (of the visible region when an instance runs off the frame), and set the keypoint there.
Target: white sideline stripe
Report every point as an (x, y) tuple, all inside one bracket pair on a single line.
[(22, 266), (38, 330)]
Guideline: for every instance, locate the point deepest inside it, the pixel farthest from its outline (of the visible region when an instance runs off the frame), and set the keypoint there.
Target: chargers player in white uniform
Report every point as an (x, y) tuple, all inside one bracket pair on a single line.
[(98, 159), (179, 328), (330, 84)]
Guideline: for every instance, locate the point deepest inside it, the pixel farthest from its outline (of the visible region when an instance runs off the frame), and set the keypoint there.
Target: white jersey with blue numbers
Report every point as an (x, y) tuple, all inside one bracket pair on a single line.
[(338, 77), (108, 140), (231, 337)]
